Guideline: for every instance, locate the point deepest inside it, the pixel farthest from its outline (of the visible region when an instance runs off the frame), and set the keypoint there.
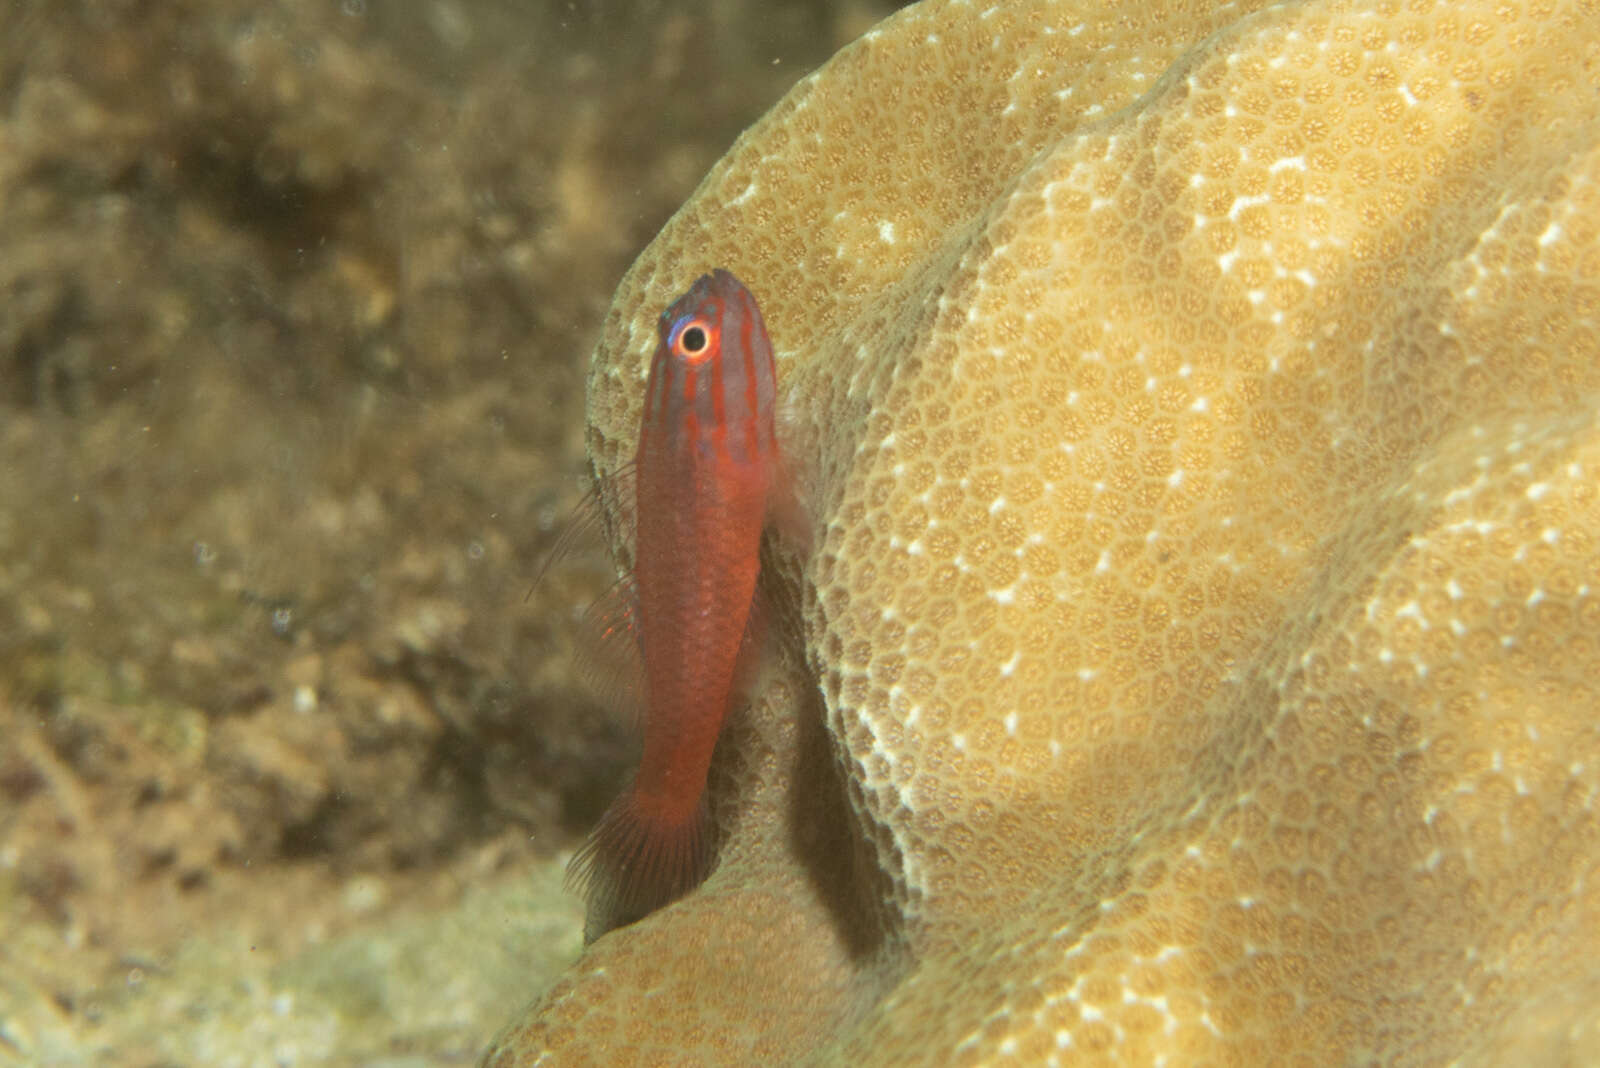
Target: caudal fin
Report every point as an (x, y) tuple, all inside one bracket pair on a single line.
[(635, 861)]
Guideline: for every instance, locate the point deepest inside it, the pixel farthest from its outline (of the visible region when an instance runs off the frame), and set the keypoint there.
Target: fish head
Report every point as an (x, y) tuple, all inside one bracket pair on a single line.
[(712, 385)]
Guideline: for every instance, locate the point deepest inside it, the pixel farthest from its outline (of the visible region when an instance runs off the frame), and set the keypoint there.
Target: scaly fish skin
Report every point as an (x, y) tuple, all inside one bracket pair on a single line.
[(705, 476)]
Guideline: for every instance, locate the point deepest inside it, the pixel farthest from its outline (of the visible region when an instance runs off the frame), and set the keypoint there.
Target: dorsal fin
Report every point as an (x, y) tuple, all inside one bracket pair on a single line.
[(585, 521), (608, 658), (610, 653)]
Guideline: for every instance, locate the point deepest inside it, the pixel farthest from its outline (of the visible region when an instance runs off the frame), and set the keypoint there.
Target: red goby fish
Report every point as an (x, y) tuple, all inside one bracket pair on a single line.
[(706, 477)]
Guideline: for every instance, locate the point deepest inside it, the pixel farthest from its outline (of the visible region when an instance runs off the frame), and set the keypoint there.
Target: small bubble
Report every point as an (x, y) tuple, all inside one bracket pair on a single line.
[(204, 554), (282, 618), (354, 8), (475, 550)]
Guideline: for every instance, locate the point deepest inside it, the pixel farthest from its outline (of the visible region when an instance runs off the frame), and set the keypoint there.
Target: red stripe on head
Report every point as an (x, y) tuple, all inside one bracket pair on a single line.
[(691, 418), (752, 399), (719, 400)]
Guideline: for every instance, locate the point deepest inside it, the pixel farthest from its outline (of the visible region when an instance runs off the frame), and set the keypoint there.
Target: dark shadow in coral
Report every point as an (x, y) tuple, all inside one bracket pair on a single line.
[(824, 831), (825, 834)]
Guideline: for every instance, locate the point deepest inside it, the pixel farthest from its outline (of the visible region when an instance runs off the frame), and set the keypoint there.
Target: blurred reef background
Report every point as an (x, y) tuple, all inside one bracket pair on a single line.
[(295, 299)]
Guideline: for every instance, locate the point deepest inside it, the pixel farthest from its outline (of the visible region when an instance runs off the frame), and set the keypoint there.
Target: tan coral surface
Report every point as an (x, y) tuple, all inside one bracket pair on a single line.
[(1198, 658)]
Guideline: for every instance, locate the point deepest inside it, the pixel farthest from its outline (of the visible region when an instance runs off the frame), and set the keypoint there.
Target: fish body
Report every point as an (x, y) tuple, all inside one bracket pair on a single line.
[(706, 474)]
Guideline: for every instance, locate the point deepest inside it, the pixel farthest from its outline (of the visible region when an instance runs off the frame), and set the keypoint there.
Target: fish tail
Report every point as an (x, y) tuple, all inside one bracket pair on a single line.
[(638, 859)]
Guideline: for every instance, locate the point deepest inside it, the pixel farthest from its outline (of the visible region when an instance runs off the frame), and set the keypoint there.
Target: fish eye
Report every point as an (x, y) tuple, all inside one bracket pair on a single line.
[(694, 339)]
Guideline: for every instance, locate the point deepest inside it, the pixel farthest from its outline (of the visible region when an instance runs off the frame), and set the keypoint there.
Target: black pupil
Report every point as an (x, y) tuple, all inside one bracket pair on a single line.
[(694, 340)]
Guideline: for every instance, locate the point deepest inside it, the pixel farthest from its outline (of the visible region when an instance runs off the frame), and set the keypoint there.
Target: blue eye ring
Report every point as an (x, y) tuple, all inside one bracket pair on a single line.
[(693, 339)]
